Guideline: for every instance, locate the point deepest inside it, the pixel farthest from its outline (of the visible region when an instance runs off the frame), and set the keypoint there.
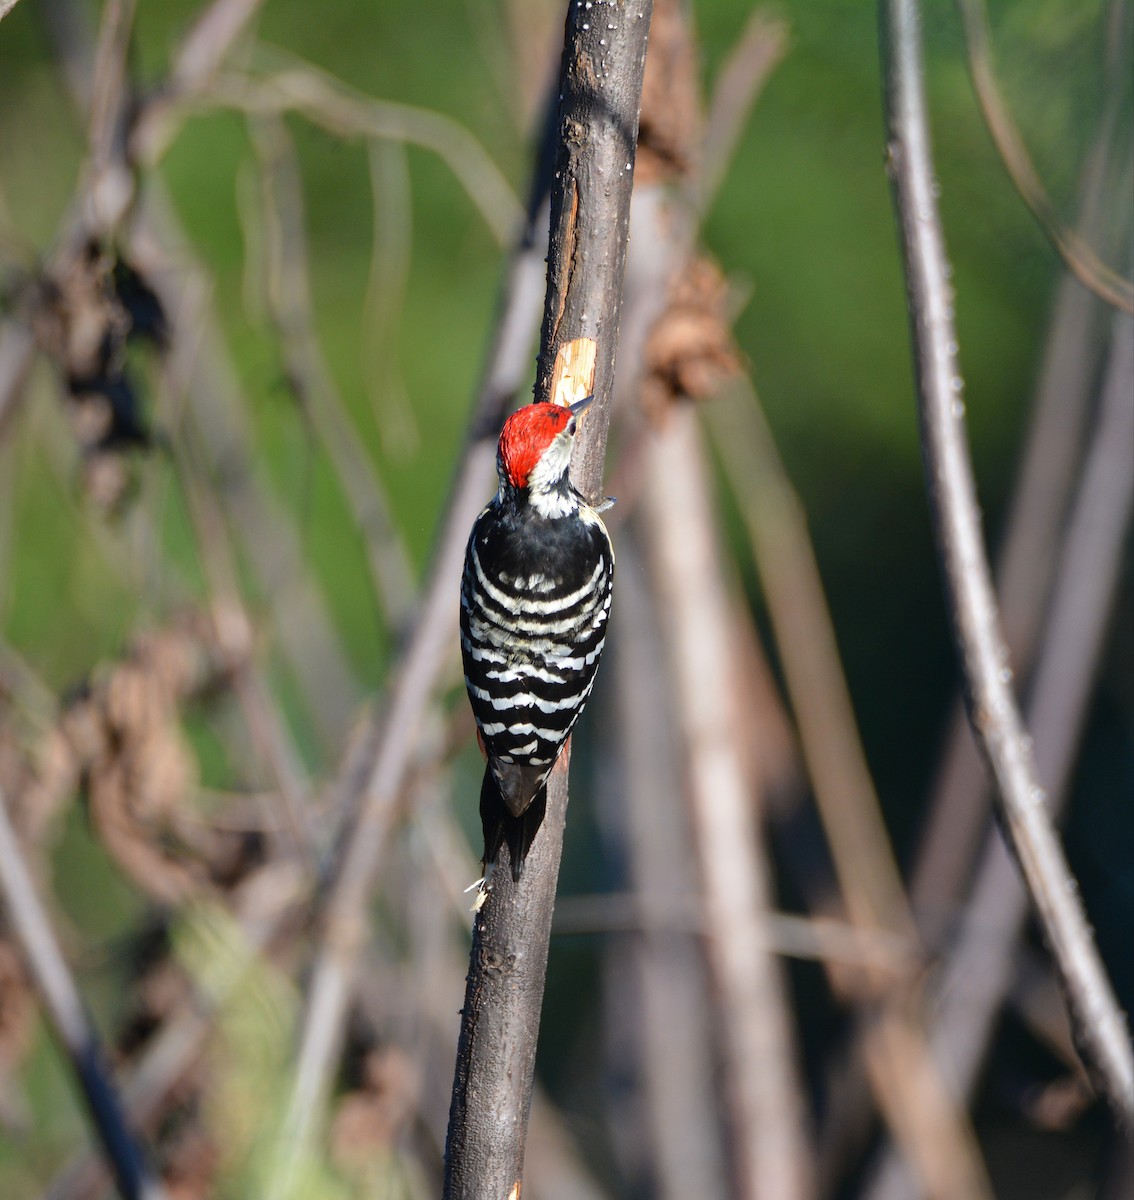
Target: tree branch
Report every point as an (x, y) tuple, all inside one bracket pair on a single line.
[(65, 1010), (332, 981), (1078, 256), (1046, 477), (600, 88), (757, 1037), (952, 495), (931, 1128), (980, 968)]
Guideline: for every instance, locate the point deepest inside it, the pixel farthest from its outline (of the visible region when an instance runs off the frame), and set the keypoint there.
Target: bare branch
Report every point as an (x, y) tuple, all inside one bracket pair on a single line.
[(1037, 513), (600, 90), (1077, 254), (812, 939), (68, 1017), (108, 188), (17, 352), (290, 306), (324, 100), (430, 646), (978, 973), (213, 34), (391, 249), (952, 494), (663, 970), (932, 1129), (761, 46), (765, 1100)]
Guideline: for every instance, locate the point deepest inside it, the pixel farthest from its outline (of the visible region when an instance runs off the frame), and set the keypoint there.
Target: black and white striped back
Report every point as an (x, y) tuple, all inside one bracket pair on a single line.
[(535, 598)]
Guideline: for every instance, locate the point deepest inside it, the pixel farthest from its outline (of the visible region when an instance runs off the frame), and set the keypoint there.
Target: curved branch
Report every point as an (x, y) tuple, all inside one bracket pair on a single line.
[(344, 112), (992, 707), (68, 1016), (1077, 254), (977, 974)]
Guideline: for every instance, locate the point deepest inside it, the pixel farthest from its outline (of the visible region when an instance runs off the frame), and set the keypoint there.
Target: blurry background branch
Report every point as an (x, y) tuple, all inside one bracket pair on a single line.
[(68, 1016), (245, 283), (978, 972), (1077, 254), (429, 648), (1099, 1025)]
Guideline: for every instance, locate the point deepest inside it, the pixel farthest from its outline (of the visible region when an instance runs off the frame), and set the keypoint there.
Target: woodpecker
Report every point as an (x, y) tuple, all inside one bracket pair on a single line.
[(535, 597)]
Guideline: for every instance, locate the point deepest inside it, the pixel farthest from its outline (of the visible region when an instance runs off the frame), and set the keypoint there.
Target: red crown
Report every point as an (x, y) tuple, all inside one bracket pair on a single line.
[(526, 435)]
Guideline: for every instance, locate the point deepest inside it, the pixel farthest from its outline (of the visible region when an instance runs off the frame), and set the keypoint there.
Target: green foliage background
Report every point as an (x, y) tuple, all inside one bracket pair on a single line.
[(802, 224)]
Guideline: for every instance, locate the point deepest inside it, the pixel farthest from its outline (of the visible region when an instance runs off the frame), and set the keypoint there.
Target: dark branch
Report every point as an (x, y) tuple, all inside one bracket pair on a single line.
[(600, 86), (69, 1019), (992, 707)]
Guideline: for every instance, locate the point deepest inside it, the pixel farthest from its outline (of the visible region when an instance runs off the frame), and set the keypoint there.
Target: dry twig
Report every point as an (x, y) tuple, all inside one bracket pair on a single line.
[(289, 304), (978, 973), (1077, 254), (959, 810), (765, 1099), (931, 1128), (68, 1016), (346, 113), (992, 707)]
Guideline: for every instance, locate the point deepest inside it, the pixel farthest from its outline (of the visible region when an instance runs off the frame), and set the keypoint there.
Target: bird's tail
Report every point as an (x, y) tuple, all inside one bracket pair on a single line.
[(501, 828)]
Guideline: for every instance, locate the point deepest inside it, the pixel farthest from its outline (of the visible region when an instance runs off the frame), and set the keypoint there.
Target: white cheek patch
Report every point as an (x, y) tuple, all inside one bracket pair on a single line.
[(546, 475)]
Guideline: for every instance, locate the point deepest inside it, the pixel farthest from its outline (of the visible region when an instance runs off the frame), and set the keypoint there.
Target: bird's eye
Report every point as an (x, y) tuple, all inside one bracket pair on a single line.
[(571, 426)]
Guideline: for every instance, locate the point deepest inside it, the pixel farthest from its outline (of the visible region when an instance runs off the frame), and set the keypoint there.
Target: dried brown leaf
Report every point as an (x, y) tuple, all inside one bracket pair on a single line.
[(690, 352)]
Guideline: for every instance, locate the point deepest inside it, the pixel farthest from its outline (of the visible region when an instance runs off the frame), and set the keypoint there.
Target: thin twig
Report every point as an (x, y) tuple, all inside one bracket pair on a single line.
[(299, 618), (763, 1087), (812, 939), (979, 971), (952, 494), (264, 722), (743, 74), (17, 353), (211, 37), (600, 90), (959, 811), (195, 63), (287, 290), (430, 646), (68, 1016), (331, 104), (911, 1093), (1077, 254), (109, 188), (391, 251)]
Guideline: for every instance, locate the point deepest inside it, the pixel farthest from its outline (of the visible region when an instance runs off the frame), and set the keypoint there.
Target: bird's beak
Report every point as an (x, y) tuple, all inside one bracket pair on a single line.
[(581, 406)]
